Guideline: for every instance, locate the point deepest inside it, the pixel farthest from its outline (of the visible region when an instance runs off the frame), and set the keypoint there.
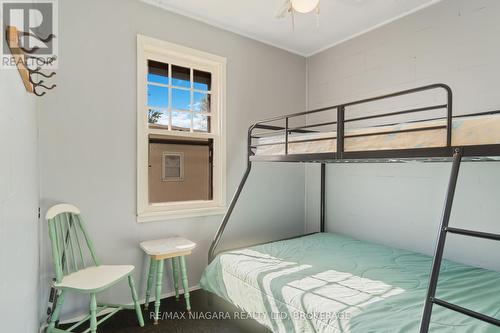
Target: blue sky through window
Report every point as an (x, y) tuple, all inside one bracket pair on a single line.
[(158, 97)]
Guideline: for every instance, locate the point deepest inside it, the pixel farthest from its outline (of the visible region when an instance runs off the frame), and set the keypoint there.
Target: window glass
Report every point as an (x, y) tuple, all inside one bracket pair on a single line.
[(181, 121), (202, 80), (201, 123), (201, 102), (181, 99), (157, 96), (157, 117), (181, 77), (157, 72)]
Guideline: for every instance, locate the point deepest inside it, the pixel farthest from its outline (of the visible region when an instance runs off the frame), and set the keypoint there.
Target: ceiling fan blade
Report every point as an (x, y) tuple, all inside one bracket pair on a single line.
[(284, 9)]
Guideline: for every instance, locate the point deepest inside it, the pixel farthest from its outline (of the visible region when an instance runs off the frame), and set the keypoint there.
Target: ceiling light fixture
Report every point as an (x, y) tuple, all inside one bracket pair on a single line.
[(291, 7), (304, 6)]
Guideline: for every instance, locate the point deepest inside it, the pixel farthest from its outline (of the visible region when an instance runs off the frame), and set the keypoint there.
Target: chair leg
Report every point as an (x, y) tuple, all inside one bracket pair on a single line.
[(159, 278), (185, 282), (55, 315), (152, 271), (93, 313), (175, 272), (137, 306)]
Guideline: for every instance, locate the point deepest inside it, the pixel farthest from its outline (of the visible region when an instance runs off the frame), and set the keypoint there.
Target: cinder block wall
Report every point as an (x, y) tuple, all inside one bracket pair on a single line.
[(454, 42)]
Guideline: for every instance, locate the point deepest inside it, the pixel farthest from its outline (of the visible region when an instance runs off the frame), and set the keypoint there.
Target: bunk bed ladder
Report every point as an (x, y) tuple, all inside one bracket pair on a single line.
[(431, 299)]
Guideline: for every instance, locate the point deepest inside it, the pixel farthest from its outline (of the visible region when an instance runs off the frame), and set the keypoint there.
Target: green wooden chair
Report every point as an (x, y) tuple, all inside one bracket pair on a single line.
[(77, 268)]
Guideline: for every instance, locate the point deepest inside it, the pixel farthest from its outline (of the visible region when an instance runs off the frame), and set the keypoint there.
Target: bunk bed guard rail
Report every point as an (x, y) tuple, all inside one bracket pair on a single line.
[(341, 121)]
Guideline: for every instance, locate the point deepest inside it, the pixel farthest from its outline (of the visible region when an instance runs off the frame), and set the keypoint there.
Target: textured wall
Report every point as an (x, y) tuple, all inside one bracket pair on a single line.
[(454, 42)]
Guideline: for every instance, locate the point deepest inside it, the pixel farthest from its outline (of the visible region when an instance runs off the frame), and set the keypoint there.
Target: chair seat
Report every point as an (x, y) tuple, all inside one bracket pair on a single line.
[(92, 279), (167, 246)]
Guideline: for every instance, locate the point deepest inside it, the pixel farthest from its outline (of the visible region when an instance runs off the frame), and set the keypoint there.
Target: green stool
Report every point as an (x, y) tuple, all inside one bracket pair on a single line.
[(176, 249)]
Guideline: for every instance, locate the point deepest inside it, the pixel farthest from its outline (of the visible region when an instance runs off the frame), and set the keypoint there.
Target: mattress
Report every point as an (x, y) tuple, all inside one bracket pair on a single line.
[(473, 130), (333, 283)]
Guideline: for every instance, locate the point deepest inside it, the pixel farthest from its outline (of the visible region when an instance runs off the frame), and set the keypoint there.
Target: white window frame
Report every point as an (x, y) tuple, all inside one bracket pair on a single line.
[(154, 49)]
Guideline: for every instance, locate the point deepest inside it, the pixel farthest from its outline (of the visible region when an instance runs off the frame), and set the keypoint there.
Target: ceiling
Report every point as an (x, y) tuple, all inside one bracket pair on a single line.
[(339, 19)]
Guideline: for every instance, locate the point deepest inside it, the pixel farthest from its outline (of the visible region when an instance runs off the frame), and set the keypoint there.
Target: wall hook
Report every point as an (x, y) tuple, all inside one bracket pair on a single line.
[(38, 94), (29, 34), (40, 84), (37, 71), (33, 82), (29, 51)]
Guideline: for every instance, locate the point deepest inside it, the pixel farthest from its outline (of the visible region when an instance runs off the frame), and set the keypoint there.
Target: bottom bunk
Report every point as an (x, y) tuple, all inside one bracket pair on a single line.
[(332, 283)]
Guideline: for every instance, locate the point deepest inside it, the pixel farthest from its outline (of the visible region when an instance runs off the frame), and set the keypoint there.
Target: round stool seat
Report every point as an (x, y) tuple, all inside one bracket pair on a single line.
[(172, 246)]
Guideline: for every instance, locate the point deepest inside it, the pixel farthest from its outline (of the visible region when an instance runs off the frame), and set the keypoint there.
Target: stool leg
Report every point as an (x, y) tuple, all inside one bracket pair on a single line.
[(151, 274), (159, 280), (93, 313), (175, 272), (137, 306), (185, 282)]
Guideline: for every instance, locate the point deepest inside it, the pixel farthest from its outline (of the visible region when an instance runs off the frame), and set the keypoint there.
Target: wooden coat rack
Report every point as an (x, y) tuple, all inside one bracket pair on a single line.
[(19, 55)]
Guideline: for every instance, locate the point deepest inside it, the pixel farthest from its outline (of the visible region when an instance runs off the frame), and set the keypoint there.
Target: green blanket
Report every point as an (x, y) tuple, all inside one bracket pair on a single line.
[(332, 283)]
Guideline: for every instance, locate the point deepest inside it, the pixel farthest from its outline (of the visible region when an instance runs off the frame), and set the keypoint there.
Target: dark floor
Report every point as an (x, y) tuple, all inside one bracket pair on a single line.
[(125, 321)]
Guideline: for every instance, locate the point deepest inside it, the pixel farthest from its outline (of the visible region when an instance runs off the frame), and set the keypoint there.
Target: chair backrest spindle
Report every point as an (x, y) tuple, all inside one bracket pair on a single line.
[(65, 230), (69, 238), (73, 220)]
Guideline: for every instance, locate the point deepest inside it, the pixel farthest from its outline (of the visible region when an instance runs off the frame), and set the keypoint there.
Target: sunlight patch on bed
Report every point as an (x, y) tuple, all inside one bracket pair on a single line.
[(256, 269), (343, 295)]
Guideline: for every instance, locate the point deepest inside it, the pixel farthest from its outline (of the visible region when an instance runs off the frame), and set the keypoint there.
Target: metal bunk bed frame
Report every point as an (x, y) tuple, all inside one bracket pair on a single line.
[(433, 154)]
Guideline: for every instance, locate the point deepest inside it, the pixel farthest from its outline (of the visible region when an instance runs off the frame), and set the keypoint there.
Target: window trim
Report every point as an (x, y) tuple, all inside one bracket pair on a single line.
[(150, 48)]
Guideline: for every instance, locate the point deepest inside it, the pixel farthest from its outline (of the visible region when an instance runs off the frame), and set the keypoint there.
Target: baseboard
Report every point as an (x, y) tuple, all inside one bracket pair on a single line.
[(103, 312)]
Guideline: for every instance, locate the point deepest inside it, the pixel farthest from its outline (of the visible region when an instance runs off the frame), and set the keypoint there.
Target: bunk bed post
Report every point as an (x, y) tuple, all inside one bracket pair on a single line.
[(234, 200), (438, 253), (340, 131), (322, 202), (286, 136), (449, 115)]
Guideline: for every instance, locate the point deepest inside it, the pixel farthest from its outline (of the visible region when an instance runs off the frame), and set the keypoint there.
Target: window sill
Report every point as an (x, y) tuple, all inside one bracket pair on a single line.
[(158, 216)]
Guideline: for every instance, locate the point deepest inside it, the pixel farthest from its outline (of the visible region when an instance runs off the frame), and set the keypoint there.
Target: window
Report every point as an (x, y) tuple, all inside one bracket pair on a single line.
[(172, 167), (180, 133)]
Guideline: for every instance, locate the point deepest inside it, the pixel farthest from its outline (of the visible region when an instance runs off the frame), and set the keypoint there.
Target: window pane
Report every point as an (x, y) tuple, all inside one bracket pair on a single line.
[(157, 96), (172, 172), (172, 161), (157, 117), (179, 171), (181, 77), (202, 80), (201, 123), (172, 166), (201, 102), (157, 72), (181, 99), (181, 121)]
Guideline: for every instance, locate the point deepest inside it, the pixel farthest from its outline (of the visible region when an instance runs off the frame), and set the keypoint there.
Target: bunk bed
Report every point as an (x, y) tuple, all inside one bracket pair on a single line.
[(324, 282)]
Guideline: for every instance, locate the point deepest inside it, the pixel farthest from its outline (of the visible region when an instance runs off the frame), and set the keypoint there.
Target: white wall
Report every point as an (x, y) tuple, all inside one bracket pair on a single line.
[(454, 42), (18, 206), (88, 131), (88, 134)]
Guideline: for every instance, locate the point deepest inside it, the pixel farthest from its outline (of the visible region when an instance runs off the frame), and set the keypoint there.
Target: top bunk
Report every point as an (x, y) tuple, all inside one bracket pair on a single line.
[(415, 124)]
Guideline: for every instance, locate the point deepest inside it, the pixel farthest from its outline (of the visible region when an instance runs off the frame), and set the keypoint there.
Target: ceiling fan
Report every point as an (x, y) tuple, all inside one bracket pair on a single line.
[(291, 7)]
